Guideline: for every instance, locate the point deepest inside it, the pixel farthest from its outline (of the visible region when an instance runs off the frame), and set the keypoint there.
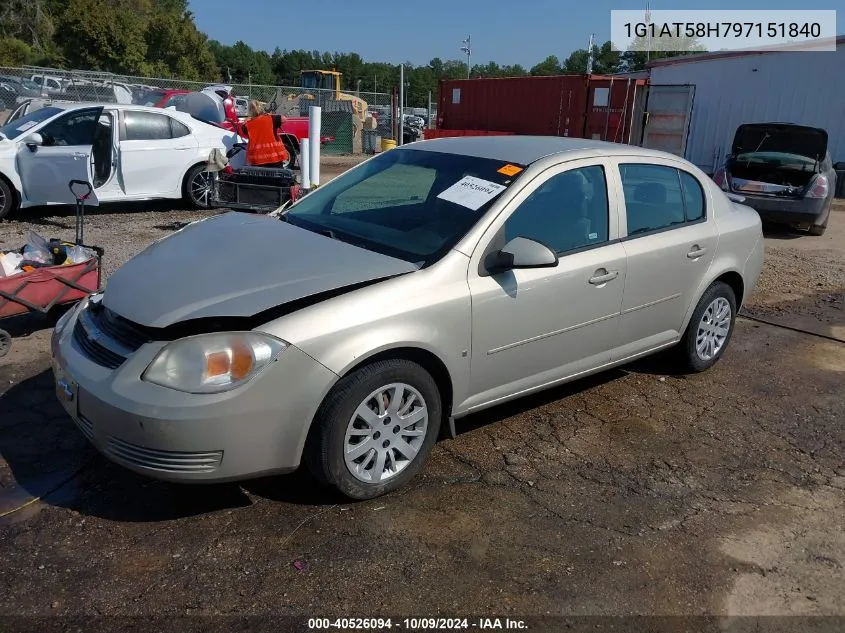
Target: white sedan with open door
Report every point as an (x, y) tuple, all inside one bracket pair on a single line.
[(126, 152)]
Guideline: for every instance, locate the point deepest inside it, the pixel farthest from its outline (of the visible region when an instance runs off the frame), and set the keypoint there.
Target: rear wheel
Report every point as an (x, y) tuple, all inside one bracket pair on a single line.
[(817, 230), (8, 199), (710, 328), (197, 187)]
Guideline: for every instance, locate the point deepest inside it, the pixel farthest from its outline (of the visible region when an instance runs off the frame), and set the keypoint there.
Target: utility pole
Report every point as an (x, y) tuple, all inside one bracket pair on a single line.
[(467, 48), (401, 122), (648, 32), (590, 55)]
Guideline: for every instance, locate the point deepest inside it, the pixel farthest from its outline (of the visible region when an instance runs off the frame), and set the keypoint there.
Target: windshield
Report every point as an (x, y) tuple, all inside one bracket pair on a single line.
[(410, 204), (17, 127)]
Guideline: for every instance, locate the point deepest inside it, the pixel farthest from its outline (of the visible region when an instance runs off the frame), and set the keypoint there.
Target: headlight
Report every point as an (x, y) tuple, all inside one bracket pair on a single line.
[(211, 363)]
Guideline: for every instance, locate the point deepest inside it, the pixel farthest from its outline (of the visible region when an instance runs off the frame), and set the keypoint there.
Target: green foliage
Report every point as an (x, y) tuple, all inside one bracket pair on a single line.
[(636, 57), (135, 37), (606, 60), (14, 52), (549, 66)]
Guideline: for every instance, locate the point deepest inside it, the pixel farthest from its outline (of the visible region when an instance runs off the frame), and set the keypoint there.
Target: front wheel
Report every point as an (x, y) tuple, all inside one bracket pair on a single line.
[(710, 328), (197, 187), (8, 199), (375, 429)]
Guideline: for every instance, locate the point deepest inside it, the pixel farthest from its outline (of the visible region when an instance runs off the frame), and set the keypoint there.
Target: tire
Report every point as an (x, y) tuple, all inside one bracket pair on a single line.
[(337, 424), (816, 230), (190, 190), (718, 296), (8, 200), (5, 343), (292, 155)]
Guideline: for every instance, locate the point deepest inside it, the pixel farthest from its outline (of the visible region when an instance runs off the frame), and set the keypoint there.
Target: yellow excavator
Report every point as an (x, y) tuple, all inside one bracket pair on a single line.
[(326, 86)]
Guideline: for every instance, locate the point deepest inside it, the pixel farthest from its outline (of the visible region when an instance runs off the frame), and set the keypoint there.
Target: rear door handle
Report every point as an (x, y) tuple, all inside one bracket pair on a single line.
[(601, 276), (696, 252)]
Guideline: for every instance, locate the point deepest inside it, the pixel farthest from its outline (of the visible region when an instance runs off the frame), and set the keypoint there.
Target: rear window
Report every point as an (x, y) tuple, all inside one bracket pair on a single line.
[(152, 97)]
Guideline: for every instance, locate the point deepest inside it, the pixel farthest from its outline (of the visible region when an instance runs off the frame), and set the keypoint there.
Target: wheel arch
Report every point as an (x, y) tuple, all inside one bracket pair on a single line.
[(427, 359), (727, 274), (294, 141)]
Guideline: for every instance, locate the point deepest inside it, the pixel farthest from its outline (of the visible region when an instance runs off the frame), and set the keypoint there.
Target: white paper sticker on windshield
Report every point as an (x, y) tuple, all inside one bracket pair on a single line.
[(472, 192), (27, 125)]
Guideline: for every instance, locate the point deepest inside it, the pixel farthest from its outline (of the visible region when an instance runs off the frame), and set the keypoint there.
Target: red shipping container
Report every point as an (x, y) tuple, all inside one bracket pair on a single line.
[(579, 106)]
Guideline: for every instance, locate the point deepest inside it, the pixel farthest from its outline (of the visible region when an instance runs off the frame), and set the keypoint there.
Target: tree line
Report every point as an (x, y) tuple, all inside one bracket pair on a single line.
[(159, 38)]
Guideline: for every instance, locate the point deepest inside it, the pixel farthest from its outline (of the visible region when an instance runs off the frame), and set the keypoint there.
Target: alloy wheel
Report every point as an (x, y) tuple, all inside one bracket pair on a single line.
[(713, 328), (201, 188), (385, 433)]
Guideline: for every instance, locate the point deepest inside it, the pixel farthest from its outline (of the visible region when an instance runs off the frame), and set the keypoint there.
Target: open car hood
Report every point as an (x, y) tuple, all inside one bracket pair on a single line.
[(237, 265), (780, 137)]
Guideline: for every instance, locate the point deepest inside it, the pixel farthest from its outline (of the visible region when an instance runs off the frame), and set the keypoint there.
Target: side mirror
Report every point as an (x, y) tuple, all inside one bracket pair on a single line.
[(33, 140), (520, 252)]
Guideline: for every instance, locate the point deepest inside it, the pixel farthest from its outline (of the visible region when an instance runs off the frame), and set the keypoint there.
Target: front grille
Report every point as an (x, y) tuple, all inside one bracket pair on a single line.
[(94, 350), (164, 461), (106, 338), (119, 328)]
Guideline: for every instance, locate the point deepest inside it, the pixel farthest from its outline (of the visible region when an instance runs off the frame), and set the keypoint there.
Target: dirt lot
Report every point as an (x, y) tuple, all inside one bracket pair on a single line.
[(634, 492)]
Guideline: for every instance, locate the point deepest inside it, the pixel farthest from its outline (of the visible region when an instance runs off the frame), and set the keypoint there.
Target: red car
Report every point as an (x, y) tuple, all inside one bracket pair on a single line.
[(163, 98)]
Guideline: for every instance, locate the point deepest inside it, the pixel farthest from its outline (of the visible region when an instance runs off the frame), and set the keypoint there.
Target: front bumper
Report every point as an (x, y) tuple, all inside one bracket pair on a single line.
[(801, 212), (254, 430)]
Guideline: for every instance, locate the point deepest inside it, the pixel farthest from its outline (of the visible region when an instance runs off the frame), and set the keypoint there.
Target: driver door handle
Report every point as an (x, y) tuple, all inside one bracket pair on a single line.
[(696, 252), (602, 276)]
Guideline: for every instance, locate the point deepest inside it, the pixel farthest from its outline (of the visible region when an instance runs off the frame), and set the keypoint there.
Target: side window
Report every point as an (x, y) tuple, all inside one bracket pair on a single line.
[(380, 192), (693, 197), (177, 129), (566, 212), (653, 197), (146, 126), (76, 128)]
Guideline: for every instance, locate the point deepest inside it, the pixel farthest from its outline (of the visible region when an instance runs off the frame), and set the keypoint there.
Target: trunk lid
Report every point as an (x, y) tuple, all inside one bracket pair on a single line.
[(775, 159), (782, 138)]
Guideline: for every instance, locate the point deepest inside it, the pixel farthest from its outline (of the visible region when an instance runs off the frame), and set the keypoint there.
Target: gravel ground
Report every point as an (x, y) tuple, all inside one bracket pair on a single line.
[(638, 491)]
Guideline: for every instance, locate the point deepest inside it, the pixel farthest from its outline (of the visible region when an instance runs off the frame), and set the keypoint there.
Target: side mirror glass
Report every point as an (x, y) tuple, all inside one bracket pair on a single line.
[(33, 140), (520, 252)]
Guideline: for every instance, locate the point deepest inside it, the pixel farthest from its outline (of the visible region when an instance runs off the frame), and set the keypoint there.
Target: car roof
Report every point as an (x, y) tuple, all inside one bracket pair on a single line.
[(70, 105), (527, 149)]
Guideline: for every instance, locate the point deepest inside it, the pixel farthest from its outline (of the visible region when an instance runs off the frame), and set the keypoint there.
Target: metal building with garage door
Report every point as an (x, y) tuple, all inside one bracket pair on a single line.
[(706, 97)]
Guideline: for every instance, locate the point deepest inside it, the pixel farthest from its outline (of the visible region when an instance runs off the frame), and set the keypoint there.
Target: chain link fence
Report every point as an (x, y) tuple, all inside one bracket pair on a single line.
[(351, 124)]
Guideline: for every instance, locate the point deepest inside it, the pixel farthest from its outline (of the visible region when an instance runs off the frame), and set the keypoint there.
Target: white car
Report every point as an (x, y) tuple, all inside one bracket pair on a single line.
[(126, 152)]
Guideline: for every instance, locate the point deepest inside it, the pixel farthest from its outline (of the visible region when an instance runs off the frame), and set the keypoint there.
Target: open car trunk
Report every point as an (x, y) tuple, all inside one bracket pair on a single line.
[(775, 159)]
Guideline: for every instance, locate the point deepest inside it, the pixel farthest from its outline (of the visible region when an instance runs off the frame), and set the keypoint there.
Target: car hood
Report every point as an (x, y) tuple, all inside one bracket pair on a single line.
[(780, 137), (237, 265)]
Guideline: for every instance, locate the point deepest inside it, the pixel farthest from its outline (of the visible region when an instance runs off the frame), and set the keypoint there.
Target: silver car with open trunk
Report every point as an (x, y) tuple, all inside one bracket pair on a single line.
[(431, 281)]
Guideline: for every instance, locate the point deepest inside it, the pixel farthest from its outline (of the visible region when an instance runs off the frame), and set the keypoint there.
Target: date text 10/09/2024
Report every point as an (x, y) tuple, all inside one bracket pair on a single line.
[(416, 624)]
